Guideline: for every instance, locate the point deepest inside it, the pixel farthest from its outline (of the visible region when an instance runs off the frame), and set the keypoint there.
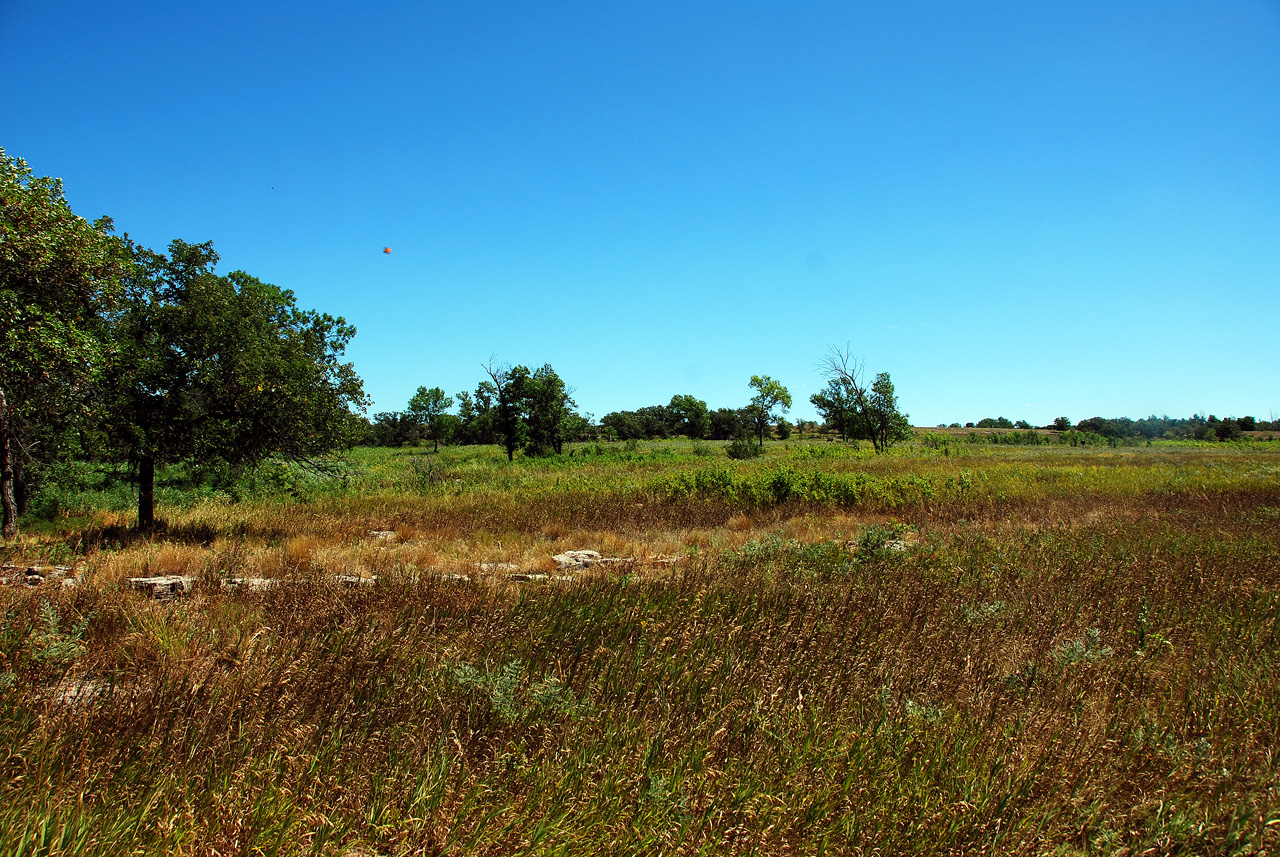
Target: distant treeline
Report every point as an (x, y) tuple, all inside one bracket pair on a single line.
[(684, 416), (1196, 427), (478, 417)]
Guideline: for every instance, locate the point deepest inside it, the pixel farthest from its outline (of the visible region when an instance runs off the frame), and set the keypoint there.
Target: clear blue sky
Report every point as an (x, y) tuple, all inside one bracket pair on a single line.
[(1017, 209)]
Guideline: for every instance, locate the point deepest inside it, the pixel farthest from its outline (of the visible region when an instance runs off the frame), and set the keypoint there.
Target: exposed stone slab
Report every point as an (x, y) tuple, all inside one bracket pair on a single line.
[(577, 559), (164, 586), (492, 567), (254, 584), (32, 575), (354, 580), (384, 535)]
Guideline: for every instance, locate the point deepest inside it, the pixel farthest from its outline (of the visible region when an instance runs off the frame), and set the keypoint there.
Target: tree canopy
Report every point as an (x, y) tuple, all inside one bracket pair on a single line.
[(221, 369), (770, 399), (59, 277), (853, 409), (428, 407)]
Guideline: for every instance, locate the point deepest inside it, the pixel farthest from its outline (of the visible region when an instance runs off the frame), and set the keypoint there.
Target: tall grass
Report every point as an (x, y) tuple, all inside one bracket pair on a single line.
[(1076, 654)]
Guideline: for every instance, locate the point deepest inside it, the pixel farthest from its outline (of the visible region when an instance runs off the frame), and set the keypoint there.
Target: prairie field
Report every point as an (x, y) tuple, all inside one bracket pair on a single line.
[(953, 648)]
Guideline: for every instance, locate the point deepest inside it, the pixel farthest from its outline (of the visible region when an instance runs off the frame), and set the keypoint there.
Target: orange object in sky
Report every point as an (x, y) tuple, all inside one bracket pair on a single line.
[(386, 249)]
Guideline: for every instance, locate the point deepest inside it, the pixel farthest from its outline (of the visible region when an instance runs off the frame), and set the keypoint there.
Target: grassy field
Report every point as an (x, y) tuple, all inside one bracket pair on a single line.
[(955, 648)]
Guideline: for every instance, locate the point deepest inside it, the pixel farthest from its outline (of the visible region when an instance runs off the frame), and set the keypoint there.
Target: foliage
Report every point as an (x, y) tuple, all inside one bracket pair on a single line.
[(689, 416), (59, 276), (856, 411), (427, 408), (51, 645), (770, 399), (744, 446), (529, 411), (393, 429), (213, 368)]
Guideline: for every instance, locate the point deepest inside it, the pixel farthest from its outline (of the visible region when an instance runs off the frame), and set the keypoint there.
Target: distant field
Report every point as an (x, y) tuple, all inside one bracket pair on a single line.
[(955, 648)]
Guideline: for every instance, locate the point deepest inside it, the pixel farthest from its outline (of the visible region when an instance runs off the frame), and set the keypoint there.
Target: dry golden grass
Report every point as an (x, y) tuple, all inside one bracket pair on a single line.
[(1076, 654)]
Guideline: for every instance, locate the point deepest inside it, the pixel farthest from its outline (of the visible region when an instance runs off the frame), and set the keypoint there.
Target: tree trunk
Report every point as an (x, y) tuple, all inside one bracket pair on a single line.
[(19, 485), (10, 526), (146, 492)]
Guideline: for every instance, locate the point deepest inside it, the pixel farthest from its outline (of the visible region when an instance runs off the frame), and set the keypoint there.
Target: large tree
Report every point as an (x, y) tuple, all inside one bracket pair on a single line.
[(690, 416), (59, 275), (532, 411), (770, 401), (428, 407), (225, 369), (548, 405), (506, 413), (857, 411)]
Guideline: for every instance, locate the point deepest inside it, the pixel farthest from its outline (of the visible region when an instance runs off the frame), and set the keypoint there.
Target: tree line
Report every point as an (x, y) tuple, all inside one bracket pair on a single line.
[(533, 412), (1195, 427)]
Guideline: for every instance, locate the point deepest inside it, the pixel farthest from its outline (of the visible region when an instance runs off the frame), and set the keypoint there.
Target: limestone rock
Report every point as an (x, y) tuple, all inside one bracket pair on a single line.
[(354, 580), (163, 586), (577, 558), (497, 566), (253, 584)]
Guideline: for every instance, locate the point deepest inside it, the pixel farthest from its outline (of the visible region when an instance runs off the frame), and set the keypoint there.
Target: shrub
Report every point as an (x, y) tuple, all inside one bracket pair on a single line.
[(744, 447)]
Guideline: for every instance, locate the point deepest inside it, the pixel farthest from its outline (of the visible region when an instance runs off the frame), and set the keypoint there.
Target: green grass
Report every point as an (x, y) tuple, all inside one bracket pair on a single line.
[(999, 650)]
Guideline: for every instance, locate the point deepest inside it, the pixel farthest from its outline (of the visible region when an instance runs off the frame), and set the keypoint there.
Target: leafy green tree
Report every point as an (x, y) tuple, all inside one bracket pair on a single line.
[(509, 426), (394, 429), (1061, 423), (859, 412), (531, 411), (726, 424), (838, 405), (886, 423), (1228, 429), (770, 398), (221, 369), (477, 414), (689, 417), (427, 407), (548, 406), (626, 425), (59, 277)]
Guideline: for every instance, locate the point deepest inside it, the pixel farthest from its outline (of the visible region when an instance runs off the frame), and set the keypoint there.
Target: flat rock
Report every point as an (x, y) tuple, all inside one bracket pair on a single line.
[(384, 535), (456, 578), (525, 577), (33, 575), (579, 559), (497, 566), (163, 586), (254, 584), (354, 580)]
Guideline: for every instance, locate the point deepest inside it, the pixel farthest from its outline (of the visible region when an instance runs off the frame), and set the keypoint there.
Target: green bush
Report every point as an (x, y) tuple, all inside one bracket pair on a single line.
[(743, 447)]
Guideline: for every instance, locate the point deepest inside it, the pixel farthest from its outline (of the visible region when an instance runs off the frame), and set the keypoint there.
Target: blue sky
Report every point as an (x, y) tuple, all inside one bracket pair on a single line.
[(1017, 209)]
